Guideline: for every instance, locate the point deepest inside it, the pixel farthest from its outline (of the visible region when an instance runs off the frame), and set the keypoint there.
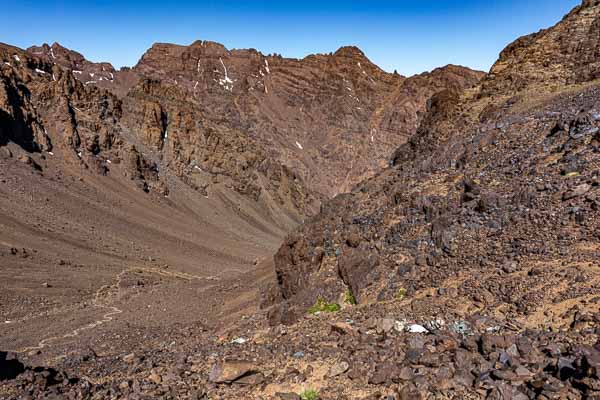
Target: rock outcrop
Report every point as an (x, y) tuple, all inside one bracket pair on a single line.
[(565, 54), (491, 194)]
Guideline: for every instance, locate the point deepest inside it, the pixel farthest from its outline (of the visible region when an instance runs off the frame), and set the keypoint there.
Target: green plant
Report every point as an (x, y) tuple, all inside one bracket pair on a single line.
[(309, 394), (323, 306), (401, 295), (349, 298)]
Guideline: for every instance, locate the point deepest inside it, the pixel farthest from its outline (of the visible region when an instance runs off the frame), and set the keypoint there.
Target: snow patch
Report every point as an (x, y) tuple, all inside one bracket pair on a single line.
[(109, 162), (39, 71), (52, 52), (92, 74), (53, 77), (267, 66), (90, 82), (299, 146), (226, 82), (51, 153), (16, 57), (77, 72)]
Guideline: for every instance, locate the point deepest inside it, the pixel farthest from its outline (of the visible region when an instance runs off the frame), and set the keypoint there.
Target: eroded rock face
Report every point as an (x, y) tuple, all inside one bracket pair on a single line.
[(487, 190), (333, 119), (47, 104), (276, 130)]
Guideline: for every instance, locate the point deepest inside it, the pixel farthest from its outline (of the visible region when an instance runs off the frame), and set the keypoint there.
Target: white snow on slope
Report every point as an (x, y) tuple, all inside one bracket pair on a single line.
[(226, 82)]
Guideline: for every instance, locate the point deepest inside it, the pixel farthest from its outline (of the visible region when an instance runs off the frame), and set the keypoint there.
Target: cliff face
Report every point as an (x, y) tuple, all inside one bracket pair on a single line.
[(328, 117), (333, 119), (50, 105)]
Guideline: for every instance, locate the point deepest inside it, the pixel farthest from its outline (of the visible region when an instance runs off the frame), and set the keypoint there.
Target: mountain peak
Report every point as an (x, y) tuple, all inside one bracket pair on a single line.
[(350, 51)]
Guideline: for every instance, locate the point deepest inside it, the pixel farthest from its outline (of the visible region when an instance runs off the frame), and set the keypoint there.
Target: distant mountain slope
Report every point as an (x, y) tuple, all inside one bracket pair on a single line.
[(333, 119)]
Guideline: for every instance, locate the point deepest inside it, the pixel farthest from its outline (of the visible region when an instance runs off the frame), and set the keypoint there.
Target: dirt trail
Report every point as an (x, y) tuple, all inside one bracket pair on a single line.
[(105, 295)]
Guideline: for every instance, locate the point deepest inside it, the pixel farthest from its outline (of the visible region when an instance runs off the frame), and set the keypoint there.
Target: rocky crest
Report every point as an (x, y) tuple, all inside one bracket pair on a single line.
[(565, 54)]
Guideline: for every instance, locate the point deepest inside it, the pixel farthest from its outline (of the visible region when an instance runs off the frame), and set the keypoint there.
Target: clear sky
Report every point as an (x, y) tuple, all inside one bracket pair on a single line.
[(409, 36)]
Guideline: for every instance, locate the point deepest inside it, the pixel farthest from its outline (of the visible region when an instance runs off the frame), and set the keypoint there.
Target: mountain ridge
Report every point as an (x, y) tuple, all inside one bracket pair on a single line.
[(280, 117)]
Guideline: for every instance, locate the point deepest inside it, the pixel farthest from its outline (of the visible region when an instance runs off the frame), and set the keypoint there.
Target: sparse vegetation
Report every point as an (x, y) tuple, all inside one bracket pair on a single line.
[(323, 306), (402, 293), (309, 394), (349, 298)]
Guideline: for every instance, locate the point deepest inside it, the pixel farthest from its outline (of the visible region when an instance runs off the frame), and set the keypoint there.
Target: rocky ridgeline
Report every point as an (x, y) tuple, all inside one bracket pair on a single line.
[(333, 119), (49, 110), (565, 54)]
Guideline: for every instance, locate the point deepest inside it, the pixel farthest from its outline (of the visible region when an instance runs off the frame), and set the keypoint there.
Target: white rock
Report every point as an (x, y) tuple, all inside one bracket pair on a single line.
[(415, 328)]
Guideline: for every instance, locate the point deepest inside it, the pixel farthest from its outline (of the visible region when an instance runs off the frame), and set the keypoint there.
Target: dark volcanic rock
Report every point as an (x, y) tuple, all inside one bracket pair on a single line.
[(10, 366)]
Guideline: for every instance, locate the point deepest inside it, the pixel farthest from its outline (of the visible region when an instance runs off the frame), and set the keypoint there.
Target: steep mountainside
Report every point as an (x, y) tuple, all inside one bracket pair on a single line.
[(487, 221), (332, 119)]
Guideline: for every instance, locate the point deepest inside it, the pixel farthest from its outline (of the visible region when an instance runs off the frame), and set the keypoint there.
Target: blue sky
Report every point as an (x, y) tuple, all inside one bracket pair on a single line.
[(410, 36)]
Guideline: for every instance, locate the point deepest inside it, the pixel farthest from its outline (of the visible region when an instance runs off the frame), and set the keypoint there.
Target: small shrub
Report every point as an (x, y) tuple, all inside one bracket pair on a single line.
[(349, 298), (309, 394), (401, 295), (323, 306)]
